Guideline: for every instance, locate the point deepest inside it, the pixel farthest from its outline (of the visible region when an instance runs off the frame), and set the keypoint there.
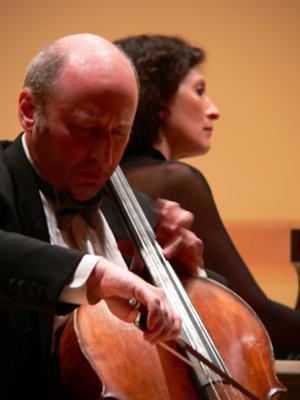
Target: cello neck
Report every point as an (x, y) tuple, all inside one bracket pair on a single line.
[(194, 339), (160, 270)]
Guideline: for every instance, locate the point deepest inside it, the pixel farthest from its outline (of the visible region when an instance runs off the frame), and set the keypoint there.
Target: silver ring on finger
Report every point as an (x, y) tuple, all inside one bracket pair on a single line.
[(133, 302)]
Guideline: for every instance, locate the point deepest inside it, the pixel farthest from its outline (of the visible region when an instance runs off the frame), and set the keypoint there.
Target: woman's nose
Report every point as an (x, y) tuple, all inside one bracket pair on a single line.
[(212, 110)]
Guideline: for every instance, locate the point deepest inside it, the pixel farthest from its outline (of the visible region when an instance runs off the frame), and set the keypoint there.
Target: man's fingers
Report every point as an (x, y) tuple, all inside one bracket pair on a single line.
[(127, 295), (184, 248), (168, 328), (171, 212)]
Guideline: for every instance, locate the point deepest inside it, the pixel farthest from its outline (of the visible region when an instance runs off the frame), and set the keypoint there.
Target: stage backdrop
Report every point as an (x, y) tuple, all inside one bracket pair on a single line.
[(252, 75)]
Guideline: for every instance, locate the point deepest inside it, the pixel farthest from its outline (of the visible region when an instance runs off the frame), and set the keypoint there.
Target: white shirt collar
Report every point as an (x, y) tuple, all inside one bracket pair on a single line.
[(27, 154)]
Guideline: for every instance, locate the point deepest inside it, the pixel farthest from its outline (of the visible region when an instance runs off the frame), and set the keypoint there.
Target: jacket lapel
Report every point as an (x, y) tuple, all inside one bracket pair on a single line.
[(28, 201)]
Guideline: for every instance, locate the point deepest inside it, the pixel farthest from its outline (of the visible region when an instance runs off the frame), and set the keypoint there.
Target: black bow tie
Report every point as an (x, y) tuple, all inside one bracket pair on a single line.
[(66, 207)]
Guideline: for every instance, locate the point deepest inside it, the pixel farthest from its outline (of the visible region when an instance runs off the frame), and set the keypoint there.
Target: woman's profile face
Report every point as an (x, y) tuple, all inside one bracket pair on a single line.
[(188, 122)]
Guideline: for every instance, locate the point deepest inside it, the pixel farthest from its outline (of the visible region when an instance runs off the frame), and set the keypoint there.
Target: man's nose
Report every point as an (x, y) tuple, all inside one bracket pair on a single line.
[(102, 151)]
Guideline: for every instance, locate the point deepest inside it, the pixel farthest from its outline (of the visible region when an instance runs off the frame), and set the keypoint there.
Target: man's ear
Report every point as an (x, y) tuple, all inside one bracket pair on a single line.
[(26, 109)]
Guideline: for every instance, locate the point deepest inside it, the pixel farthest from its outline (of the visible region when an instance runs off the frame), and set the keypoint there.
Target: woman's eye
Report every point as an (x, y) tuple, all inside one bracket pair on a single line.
[(200, 91)]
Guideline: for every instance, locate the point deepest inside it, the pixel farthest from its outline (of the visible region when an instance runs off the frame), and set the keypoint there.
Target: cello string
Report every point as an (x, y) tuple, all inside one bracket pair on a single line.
[(227, 379), (206, 371), (142, 239), (194, 366), (154, 252), (174, 283), (134, 210), (186, 331), (188, 362), (210, 375), (157, 275)]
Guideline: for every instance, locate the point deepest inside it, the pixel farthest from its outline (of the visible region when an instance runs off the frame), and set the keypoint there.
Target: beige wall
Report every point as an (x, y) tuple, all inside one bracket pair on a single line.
[(252, 72)]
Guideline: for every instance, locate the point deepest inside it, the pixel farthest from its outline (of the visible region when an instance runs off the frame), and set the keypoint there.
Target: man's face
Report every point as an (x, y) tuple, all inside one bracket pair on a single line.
[(79, 139)]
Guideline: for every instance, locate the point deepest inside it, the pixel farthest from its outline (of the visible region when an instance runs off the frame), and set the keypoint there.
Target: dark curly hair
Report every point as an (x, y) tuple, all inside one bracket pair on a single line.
[(161, 62)]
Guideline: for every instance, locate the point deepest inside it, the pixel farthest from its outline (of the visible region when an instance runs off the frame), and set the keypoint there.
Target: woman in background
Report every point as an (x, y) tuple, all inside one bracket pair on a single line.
[(175, 119)]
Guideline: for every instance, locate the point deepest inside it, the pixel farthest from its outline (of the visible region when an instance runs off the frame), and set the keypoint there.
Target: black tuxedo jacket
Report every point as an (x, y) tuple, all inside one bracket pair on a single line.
[(32, 277)]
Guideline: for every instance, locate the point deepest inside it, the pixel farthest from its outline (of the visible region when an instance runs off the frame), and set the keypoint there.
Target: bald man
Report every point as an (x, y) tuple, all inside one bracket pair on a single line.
[(77, 108)]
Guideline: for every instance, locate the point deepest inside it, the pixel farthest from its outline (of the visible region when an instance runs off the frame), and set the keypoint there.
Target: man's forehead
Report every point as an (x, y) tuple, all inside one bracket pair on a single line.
[(84, 62), (96, 84), (80, 47), (88, 53), (105, 72), (93, 100)]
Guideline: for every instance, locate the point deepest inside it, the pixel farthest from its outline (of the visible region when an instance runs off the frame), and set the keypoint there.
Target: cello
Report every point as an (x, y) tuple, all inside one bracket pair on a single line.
[(223, 351)]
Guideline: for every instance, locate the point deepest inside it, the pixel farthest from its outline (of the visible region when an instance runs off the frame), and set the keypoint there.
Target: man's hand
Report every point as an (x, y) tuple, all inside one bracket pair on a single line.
[(178, 242), (117, 286), (180, 245)]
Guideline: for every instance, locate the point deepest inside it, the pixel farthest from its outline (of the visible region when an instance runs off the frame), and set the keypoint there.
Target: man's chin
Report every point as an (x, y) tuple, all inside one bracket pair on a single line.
[(84, 194)]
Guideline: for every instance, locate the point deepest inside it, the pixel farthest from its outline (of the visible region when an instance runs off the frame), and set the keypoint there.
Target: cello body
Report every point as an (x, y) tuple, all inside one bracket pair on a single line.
[(102, 357)]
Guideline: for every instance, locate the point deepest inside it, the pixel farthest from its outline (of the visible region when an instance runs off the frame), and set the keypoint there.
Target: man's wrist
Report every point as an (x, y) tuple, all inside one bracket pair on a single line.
[(93, 284), (75, 291)]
